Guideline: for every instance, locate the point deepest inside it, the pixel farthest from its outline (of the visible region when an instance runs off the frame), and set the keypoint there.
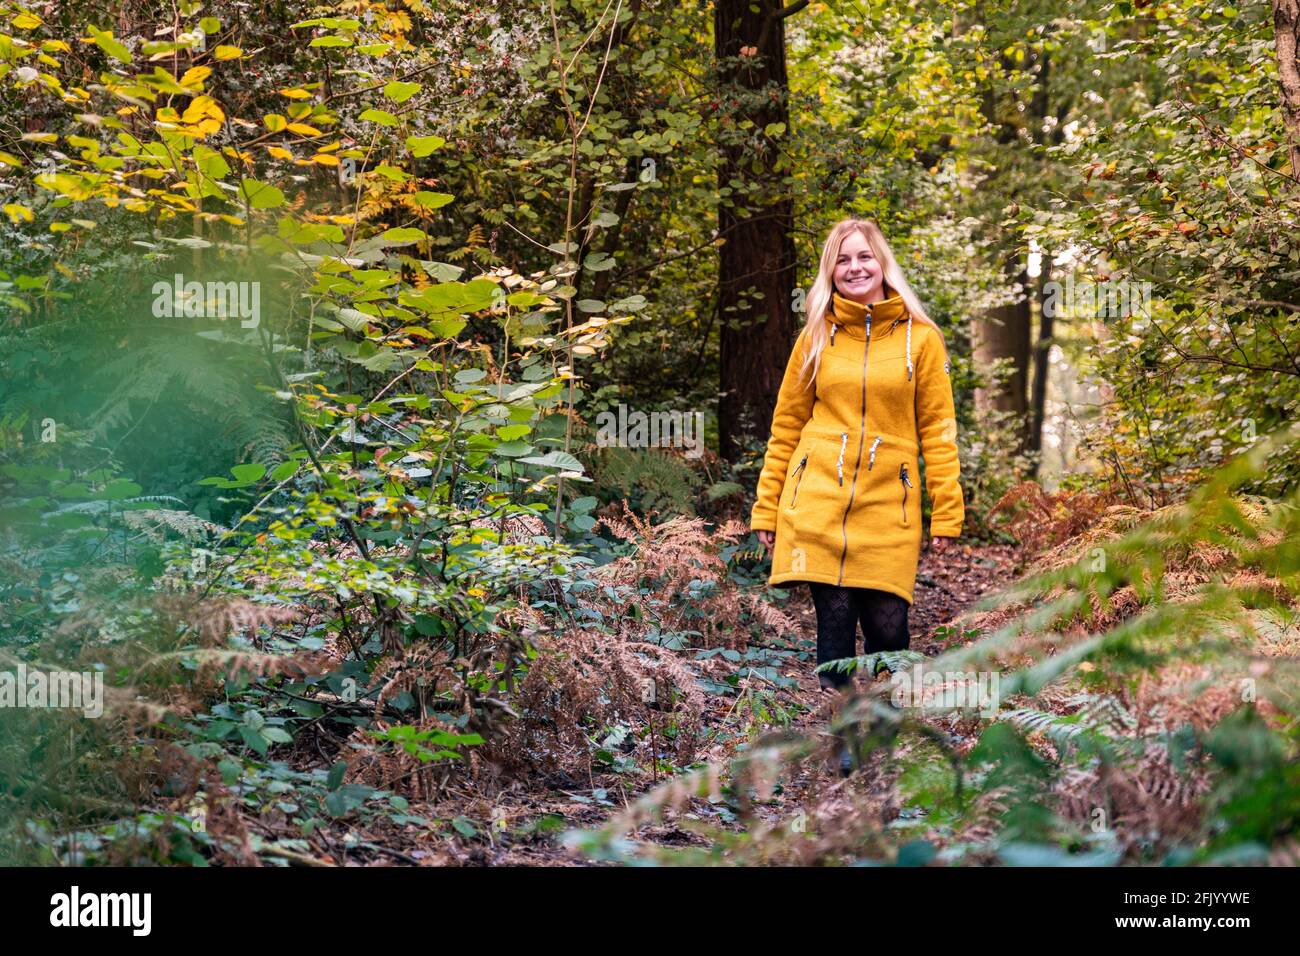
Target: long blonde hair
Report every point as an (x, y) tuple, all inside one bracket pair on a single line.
[(819, 299)]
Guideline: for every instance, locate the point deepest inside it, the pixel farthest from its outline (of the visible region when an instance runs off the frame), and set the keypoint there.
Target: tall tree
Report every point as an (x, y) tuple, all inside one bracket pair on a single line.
[(1286, 37), (1004, 333), (756, 215)]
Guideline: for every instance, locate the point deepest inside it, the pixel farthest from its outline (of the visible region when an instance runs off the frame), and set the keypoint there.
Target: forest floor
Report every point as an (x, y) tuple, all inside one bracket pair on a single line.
[(529, 813)]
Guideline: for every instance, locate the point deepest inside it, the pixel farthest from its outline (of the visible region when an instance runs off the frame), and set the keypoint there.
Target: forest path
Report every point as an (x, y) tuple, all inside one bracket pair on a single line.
[(947, 584)]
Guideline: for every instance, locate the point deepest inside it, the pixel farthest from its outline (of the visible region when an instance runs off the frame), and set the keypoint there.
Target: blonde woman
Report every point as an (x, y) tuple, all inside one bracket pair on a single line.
[(866, 391)]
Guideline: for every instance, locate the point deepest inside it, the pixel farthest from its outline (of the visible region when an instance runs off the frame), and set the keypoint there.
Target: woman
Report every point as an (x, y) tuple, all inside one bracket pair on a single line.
[(866, 388)]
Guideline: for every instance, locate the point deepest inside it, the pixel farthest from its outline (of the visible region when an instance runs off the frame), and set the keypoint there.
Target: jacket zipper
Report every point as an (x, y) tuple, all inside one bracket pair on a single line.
[(798, 471), (862, 428), (871, 458), (907, 483), (839, 465)]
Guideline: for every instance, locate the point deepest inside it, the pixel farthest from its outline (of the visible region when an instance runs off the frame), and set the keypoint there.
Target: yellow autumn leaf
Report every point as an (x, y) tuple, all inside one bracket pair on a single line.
[(224, 52), (201, 108), (304, 129), (275, 122), (279, 152), (27, 21), (17, 212), (325, 159), (295, 93), (194, 77)]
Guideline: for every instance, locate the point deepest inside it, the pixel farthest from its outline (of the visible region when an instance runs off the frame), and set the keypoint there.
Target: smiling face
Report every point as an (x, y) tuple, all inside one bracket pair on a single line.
[(858, 273)]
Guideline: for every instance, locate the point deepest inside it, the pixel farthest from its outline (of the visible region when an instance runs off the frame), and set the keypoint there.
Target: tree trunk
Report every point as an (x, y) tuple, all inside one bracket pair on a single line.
[(756, 268), (1286, 38), (1042, 367), (1005, 333)]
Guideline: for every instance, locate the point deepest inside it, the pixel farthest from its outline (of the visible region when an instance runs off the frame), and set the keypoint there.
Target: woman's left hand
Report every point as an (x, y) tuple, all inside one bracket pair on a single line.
[(940, 544)]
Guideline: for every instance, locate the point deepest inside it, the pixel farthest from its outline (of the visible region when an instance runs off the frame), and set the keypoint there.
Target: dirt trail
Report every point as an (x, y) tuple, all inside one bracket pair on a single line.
[(946, 584)]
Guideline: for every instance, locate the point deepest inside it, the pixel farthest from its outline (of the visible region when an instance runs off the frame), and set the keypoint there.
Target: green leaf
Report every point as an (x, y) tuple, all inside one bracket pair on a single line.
[(336, 775), (402, 236), (631, 303), (421, 146), (391, 172), (400, 92), (261, 195), (555, 459), (329, 23), (210, 163), (114, 48), (513, 449), (254, 739), (119, 490), (354, 319), (430, 200), (249, 472), (346, 798), (382, 117)]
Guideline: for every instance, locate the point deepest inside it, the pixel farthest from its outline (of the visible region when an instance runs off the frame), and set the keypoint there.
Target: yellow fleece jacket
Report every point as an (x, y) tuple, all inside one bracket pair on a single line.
[(838, 480)]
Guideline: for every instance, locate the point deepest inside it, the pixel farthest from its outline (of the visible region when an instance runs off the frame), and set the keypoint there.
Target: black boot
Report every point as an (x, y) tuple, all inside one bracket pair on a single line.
[(847, 761)]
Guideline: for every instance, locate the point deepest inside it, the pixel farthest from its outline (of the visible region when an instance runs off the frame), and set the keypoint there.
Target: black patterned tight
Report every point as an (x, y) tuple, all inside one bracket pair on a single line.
[(883, 617)]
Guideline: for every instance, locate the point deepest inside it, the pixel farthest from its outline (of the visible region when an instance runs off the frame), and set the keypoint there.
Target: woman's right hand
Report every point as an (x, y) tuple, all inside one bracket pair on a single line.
[(768, 538)]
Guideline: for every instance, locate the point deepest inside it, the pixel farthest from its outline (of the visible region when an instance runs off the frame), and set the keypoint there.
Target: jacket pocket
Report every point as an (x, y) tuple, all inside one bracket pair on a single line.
[(905, 480), (798, 479)]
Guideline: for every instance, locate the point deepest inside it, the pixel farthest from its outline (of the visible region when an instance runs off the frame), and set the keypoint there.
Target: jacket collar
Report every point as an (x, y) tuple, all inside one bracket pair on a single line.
[(884, 315)]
